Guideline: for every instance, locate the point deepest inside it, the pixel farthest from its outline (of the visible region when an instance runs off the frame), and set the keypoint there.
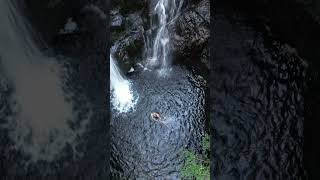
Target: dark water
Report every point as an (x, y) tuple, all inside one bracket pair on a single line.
[(257, 104), (144, 148)]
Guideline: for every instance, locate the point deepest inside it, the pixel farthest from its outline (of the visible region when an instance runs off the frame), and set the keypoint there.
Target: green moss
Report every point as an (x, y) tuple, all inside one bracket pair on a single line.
[(206, 143), (197, 166)]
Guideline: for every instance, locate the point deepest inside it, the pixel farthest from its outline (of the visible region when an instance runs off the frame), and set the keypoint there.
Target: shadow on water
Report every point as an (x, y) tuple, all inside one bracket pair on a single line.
[(290, 83), (145, 148), (257, 102)]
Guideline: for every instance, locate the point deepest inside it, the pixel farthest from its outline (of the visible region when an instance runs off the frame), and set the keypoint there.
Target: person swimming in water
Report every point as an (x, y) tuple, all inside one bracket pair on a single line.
[(155, 116)]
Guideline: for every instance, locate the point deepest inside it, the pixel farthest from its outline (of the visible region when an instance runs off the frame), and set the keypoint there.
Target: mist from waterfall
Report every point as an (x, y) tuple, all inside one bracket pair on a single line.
[(167, 12), (122, 96), (37, 99)]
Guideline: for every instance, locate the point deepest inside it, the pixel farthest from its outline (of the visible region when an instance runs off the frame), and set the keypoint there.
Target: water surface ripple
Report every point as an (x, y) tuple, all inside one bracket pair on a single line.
[(256, 104), (144, 148)]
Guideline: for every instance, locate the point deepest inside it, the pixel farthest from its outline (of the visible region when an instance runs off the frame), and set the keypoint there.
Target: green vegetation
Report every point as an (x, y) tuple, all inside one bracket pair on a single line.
[(197, 166)]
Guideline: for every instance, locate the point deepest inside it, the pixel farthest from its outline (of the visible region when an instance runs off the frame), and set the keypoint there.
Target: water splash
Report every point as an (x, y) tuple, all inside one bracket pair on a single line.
[(167, 11), (122, 96)]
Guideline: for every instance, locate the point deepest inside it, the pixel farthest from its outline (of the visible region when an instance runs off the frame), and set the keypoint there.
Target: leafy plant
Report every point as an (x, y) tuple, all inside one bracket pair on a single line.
[(197, 166)]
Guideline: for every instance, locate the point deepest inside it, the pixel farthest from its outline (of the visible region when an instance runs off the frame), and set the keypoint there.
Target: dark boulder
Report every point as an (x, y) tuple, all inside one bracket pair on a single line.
[(192, 32), (127, 39)]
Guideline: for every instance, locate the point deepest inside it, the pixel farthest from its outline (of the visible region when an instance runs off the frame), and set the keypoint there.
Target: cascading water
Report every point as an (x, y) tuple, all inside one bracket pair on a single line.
[(167, 11), (144, 147), (122, 96)]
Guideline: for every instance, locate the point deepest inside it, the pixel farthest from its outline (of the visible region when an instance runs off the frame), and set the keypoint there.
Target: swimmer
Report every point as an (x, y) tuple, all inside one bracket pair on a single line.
[(155, 116)]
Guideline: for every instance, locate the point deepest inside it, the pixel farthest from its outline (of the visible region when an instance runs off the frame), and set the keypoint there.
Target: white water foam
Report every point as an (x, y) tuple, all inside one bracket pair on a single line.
[(167, 11), (122, 96)]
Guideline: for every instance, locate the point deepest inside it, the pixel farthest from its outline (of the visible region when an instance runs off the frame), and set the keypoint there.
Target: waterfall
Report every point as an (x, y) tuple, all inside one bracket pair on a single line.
[(115, 75), (122, 96), (166, 11)]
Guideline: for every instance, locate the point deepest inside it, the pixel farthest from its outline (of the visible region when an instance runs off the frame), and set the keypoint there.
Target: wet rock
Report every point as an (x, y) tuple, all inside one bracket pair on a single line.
[(69, 27), (116, 18), (192, 32), (131, 70), (189, 32), (128, 50), (204, 57), (128, 40)]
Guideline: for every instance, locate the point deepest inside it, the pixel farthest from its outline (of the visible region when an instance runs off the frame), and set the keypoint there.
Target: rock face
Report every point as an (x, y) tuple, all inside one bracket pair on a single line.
[(127, 36), (192, 32), (130, 24)]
